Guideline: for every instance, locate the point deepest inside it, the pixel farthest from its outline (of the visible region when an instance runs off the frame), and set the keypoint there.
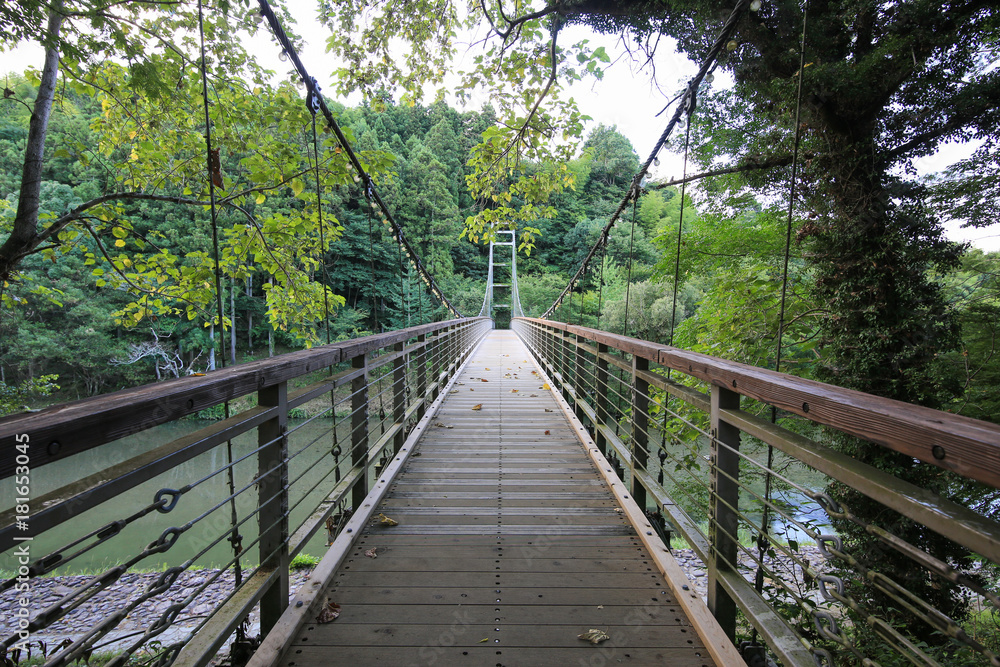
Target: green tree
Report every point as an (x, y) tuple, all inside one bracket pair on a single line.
[(148, 140)]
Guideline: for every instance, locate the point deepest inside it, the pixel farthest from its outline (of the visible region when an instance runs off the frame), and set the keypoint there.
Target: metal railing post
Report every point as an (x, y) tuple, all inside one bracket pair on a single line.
[(724, 505), (578, 379), (422, 374), (434, 353), (554, 345), (640, 427), (564, 370), (272, 498), (359, 428), (399, 396), (601, 391)]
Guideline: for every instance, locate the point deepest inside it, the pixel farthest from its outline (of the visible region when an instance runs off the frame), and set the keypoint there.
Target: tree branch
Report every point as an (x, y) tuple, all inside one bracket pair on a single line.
[(780, 161), (18, 247), (125, 279)]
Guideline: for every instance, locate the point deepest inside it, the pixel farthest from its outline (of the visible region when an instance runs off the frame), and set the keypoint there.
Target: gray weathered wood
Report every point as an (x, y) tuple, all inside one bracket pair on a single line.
[(518, 538), (70, 428), (967, 446)]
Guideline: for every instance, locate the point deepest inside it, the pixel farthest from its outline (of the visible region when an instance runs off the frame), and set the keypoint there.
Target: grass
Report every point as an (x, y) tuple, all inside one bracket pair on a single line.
[(97, 659), (303, 562)]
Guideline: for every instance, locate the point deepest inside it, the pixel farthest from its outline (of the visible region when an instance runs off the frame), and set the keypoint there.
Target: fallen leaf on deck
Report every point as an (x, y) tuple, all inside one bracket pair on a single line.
[(372, 553), (483, 380), (477, 406), (386, 521), (594, 636), (600, 606), (486, 639), (513, 391), (547, 410), (546, 386), (486, 369), (547, 433), (532, 395), (330, 612), (453, 391), (439, 424)]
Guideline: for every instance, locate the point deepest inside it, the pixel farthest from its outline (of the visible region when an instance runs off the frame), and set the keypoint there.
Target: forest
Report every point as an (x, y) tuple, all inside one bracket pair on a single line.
[(169, 206), (75, 323)]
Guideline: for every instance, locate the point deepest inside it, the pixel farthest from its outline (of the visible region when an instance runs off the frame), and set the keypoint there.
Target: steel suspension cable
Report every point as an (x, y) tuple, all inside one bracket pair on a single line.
[(371, 263), (214, 163), (791, 193), (600, 289), (680, 230), (403, 297), (689, 96), (628, 281), (762, 541), (313, 107), (361, 176)]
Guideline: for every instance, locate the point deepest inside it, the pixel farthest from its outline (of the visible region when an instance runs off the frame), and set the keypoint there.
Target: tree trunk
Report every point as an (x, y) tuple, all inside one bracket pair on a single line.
[(25, 230), (249, 313), (270, 332), (232, 321), (211, 354)]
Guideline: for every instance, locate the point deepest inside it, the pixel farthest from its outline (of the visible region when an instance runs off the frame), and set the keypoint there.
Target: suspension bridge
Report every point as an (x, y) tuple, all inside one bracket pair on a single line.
[(492, 496), (494, 490)]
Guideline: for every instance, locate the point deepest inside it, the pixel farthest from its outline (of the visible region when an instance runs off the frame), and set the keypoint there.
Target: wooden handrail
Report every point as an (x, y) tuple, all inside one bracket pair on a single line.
[(967, 446), (70, 428)]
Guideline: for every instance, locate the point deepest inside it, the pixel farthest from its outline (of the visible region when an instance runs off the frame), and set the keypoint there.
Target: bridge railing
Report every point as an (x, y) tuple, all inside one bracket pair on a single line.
[(825, 557), (278, 482)]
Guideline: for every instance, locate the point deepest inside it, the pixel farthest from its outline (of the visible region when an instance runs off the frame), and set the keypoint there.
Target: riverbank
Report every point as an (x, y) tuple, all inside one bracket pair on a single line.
[(47, 591)]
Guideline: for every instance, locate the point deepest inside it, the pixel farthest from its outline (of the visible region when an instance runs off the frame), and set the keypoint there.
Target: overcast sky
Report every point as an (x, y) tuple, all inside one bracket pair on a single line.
[(625, 98)]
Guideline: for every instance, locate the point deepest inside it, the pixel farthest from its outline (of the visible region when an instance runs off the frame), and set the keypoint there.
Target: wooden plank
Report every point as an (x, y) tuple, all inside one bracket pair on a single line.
[(571, 543), (530, 579), (635, 597), (538, 635), (434, 652), (395, 560), (529, 553), (566, 615)]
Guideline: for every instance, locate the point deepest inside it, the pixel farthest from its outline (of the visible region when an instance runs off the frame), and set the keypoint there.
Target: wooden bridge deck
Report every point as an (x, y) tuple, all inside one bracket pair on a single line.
[(509, 545)]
